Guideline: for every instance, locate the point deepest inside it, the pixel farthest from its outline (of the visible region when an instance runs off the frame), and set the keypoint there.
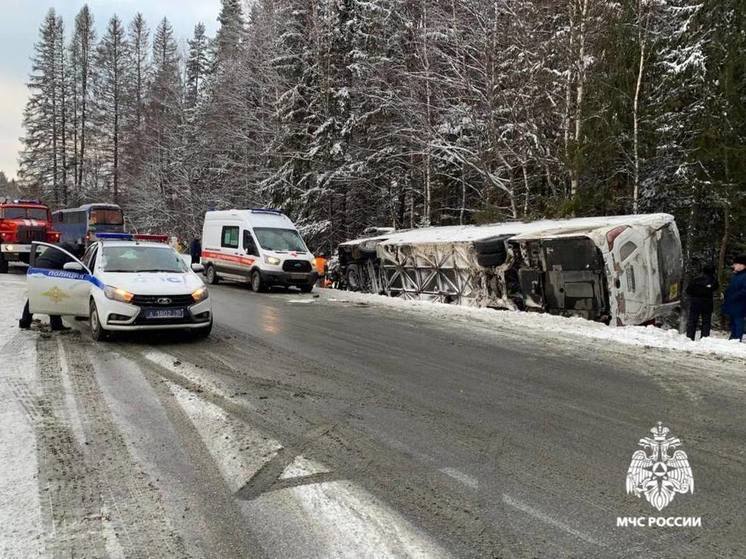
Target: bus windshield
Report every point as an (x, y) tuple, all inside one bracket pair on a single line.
[(279, 240), (106, 216)]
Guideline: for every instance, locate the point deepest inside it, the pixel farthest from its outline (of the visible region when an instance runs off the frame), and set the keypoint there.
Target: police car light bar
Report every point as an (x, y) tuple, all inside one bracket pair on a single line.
[(114, 236)]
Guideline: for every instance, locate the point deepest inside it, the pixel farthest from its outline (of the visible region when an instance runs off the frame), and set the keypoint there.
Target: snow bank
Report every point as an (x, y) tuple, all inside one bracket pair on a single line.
[(645, 336)]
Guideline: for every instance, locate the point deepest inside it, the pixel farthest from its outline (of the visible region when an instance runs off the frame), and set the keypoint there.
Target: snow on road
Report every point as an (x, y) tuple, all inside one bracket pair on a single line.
[(22, 533), (535, 323), (335, 518)]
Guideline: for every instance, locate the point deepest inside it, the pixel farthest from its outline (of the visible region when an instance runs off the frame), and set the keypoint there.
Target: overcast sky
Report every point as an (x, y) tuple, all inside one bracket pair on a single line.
[(19, 28)]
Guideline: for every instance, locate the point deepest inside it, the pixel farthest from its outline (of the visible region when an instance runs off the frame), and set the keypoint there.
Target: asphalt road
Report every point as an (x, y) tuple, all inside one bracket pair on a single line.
[(328, 427)]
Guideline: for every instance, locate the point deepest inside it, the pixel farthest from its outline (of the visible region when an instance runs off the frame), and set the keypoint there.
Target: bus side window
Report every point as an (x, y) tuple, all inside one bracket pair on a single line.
[(631, 278), (627, 249)]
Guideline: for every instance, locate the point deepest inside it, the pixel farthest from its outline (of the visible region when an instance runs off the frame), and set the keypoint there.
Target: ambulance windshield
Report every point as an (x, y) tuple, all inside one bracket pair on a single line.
[(279, 240)]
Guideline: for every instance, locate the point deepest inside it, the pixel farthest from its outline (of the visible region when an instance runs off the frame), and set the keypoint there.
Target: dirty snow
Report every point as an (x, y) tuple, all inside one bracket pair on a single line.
[(642, 336)]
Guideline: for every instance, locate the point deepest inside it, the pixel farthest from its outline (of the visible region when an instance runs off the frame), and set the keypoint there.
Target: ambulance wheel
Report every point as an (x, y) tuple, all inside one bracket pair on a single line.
[(98, 332), (211, 275), (3, 265), (257, 283)]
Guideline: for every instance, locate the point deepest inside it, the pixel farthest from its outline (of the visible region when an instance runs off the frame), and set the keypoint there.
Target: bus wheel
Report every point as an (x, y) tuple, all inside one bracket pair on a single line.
[(211, 275), (3, 265)]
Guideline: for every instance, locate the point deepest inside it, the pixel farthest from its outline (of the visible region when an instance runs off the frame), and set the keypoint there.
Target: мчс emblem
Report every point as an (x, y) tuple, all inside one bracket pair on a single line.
[(656, 474)]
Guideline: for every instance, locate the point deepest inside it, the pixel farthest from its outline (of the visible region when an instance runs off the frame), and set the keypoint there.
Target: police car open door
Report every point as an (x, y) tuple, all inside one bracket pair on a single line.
[(58, 292)]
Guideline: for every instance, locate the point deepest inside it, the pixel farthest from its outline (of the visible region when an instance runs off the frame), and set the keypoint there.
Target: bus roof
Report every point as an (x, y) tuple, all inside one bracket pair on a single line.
[(93, 206)]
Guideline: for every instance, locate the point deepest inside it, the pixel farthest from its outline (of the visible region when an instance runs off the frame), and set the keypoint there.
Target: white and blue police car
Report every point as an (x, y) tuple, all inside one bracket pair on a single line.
[(123, 283)]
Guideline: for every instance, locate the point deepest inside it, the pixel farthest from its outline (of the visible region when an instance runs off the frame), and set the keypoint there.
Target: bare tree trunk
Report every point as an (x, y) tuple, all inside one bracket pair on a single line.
[(63, 123), (687, 262), (85, 66), (642, 35), (527, 188), (580, 91), (568, 84), (427, 194), (721, 255), (55, 181)]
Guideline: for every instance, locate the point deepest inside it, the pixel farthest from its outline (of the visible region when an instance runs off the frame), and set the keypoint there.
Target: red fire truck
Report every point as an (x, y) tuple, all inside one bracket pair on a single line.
[(21, 223)]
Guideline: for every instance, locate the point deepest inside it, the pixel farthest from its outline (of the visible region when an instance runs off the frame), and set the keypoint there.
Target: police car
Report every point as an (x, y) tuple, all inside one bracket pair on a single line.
[(123, 283)]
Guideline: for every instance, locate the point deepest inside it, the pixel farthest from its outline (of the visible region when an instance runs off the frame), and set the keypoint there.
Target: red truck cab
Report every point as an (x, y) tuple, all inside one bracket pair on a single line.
[(21, 223)]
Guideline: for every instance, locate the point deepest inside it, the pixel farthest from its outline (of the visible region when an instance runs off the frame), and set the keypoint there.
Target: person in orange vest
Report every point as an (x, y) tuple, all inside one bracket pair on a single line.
[(320, 264)]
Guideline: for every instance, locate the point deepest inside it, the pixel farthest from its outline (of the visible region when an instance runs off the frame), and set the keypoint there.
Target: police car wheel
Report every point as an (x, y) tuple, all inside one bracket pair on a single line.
[(98, 333)]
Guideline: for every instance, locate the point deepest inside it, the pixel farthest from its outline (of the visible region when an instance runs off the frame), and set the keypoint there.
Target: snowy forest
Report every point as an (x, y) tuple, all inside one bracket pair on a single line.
[(348, 114)]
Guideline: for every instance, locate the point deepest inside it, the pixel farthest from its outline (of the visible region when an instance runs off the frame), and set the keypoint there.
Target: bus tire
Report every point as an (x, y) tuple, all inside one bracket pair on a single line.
[(3, 265), (211, 275)]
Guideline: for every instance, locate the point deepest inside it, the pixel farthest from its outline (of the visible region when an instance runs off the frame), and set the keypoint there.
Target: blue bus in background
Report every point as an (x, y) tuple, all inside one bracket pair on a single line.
[(80, 225)]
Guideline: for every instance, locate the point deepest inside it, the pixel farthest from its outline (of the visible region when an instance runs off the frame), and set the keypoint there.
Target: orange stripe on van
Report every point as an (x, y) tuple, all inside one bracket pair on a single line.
[(232, 258)]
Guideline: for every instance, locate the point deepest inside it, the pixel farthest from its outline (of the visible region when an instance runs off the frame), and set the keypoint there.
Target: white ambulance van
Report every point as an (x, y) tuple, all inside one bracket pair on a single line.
[(258, 246)]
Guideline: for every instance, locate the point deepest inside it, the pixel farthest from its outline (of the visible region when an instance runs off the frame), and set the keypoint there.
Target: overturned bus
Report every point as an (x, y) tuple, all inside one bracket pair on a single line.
[(621, 270)]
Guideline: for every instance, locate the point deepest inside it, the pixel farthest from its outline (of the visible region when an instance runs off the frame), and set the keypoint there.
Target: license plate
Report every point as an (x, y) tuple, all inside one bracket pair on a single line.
[(298, 276), (159, 314)]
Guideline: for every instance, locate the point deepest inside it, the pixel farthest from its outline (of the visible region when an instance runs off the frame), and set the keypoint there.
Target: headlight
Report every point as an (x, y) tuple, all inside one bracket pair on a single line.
[(116, 294), (200, 295), (273, 260)]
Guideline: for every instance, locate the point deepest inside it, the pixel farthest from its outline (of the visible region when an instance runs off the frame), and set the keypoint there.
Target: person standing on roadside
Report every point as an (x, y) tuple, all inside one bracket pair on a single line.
[(701, 291), (320, 263), (195, 250), (734, 304)]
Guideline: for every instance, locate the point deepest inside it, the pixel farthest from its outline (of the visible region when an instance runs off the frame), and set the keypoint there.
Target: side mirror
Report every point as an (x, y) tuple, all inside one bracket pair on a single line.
[(198, 268), (73, 267)]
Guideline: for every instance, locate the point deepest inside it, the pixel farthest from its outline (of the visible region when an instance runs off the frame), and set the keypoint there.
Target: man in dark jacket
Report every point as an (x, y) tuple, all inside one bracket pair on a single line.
[(195, 250), (701, 291), (50, 259), (735, 299)]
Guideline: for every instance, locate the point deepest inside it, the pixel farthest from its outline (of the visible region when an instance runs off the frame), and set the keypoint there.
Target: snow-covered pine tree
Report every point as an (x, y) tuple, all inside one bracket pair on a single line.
[(136, 83), (81, 66), (41, 159), (158, 184), (295, 79), (197, 68), (110, 90)]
